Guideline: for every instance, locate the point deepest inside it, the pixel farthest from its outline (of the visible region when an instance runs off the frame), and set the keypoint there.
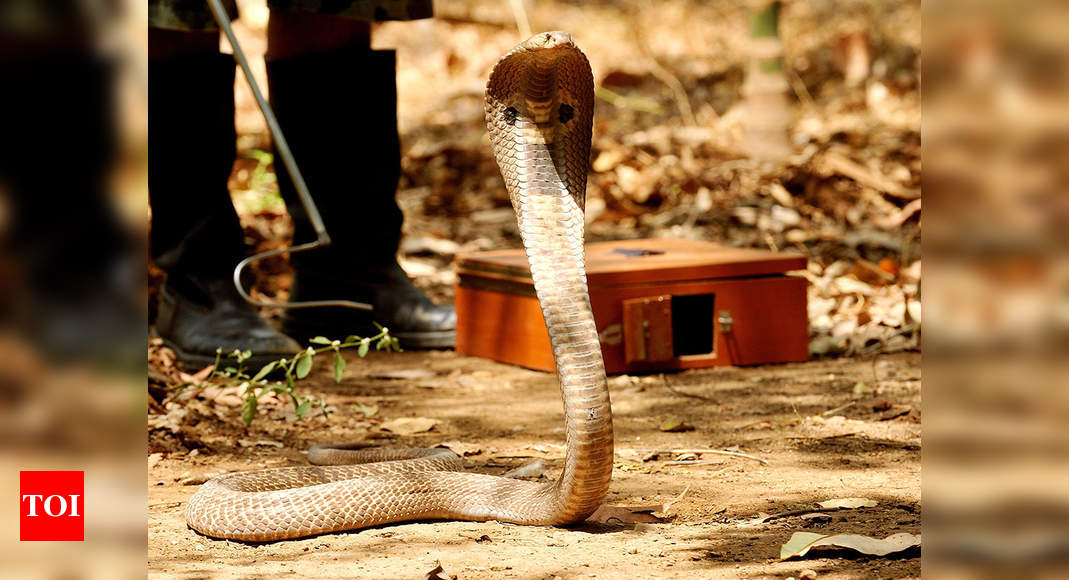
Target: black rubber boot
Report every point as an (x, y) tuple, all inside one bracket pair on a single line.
[(196, 236), (339, 114)]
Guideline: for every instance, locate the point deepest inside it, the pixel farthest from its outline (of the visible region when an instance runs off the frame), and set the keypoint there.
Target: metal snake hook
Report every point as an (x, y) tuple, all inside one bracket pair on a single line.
[(322, 237)]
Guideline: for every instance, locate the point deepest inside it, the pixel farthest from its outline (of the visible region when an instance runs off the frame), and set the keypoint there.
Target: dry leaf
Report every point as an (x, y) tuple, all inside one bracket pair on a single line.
[(172, 421), (198, 377), (532, 469), (676, 424), (607, 160), (848, 503), (366, 410), (608, 514), (410, 425), (261, 443), (462, 449), (437, 573), (801, 542)]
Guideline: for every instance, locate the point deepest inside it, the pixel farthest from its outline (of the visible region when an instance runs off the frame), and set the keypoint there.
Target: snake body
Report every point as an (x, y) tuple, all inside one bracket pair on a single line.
[(539, 112)]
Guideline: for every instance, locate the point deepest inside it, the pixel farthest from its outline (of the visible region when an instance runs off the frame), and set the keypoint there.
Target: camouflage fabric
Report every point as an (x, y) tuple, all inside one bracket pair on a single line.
[(194, 14), (186, 14), (33, 17)]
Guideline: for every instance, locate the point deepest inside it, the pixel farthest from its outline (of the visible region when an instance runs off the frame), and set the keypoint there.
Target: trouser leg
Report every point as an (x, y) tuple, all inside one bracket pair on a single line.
[(337, 104)]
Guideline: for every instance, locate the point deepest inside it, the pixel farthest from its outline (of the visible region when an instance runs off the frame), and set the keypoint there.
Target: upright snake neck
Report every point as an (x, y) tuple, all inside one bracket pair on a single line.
[(539, 110)]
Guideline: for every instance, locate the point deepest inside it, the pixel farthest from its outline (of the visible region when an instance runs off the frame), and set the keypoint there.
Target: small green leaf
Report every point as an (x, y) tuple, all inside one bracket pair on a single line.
[(248, 410), (339, 367), (304, 365), (362, 351), (353, 338), (320, 340), (265, 371), (303, 408), (396, 344), (675, 424)]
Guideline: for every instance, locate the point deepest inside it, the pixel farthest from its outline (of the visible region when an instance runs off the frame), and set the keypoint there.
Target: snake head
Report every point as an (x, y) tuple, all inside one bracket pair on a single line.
[(552, 39), (539, 112)]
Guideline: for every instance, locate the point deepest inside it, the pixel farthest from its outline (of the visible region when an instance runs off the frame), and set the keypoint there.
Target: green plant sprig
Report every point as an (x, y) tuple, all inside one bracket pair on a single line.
[(294, 369)]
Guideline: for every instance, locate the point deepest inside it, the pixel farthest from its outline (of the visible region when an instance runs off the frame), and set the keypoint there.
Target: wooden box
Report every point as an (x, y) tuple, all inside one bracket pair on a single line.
[(658, 304)]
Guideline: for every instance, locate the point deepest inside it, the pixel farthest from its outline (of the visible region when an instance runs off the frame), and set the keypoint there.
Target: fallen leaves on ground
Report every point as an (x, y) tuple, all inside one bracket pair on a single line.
[(617, 515), (409, 425), (848, 503), (437, 573), (461, 448), (675, 424), (801, 542), (365, 410)]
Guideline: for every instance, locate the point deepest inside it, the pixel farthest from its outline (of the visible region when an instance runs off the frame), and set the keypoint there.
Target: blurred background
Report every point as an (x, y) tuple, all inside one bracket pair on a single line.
[(996, 245), (73, 201), (787, 125)]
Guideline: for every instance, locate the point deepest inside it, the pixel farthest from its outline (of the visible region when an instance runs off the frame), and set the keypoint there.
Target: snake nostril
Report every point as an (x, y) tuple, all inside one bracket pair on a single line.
[(566, 112), (510, 115)]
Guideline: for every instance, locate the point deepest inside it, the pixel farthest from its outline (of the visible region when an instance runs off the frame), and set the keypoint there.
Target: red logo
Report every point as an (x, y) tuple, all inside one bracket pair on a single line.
[(52, 506)]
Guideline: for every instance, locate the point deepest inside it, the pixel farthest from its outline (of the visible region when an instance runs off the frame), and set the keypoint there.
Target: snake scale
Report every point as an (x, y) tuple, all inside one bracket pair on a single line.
[(539, 112)]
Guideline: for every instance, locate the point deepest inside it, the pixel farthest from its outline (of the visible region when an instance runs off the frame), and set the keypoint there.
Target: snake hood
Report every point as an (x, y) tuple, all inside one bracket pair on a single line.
[(539, 111)]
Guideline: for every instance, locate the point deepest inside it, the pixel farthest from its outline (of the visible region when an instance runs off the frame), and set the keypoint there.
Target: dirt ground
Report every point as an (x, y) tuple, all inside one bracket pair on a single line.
[(828, 429)]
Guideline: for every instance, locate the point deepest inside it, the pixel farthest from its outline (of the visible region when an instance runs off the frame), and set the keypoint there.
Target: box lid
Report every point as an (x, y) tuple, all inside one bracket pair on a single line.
[(643, 261)]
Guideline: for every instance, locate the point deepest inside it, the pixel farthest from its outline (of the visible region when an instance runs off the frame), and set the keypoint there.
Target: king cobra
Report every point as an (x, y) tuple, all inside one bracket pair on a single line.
[(539, 112)]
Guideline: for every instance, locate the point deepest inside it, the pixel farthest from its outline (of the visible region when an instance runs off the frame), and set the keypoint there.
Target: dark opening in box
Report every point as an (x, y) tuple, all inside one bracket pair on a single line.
[(692, 324)]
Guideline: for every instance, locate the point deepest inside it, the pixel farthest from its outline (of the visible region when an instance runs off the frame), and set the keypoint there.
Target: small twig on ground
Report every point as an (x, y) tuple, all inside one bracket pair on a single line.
[(532, 469), (802, 512), (668, 506), (833, 162), (695, 462), (875, 374), (155, 407), (798, 87), (708, 451), (837, 409), (798, 418), (683, 394), (771, 242), (823, 437)]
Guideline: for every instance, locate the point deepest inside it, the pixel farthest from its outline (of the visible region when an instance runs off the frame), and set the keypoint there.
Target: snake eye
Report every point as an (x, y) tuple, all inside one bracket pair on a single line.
[(510, 115), (566, 113)]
